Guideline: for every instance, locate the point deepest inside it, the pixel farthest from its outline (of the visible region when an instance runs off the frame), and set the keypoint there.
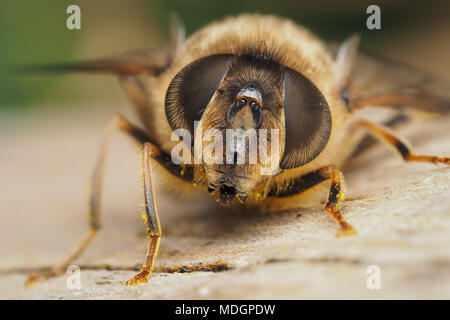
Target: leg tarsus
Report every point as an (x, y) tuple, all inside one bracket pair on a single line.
[(345, 229), (431, 159), (61, 268), (146, 270)]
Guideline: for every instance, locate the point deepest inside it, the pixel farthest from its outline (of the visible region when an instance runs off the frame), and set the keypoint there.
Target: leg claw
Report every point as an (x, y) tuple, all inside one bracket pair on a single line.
[(34, 278), (345, 230), (140, 278)]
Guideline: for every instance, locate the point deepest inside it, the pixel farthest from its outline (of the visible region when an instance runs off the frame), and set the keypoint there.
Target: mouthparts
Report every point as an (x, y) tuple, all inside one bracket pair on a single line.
[(227, 191)]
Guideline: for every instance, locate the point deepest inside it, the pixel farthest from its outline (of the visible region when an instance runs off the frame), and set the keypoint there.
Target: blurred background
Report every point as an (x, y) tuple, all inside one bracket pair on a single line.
[(31, 32)]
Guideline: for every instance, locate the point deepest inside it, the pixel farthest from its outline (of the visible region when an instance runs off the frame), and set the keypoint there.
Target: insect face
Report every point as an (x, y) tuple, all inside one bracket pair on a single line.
[(246, 115), (246, 106)]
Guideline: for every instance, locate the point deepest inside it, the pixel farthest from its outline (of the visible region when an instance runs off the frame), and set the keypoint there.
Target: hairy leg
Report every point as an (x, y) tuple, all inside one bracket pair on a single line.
[(152, 225)]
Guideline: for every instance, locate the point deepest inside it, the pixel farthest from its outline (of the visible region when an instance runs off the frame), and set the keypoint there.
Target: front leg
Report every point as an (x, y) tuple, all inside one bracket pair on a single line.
[(152, 226), (335, 198), (293, 192)]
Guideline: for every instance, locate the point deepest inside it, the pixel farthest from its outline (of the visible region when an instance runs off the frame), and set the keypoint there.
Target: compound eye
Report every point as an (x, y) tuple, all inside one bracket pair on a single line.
[(307, 120), (192, 88)]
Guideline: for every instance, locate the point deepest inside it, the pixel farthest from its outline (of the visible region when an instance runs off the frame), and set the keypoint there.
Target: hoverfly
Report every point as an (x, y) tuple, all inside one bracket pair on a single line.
[(256, 72)]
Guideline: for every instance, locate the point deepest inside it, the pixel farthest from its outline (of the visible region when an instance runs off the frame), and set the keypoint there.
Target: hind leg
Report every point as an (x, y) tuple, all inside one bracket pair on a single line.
[(386, 135)]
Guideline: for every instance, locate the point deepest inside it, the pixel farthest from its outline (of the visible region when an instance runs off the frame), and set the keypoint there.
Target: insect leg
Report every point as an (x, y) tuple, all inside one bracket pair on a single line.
[(335, 198), (369, 141), (388, 136), (118, 122), (152, 226)]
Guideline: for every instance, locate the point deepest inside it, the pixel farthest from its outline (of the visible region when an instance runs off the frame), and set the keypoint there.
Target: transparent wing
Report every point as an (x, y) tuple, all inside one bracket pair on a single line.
[(145, 61), (371, 80)]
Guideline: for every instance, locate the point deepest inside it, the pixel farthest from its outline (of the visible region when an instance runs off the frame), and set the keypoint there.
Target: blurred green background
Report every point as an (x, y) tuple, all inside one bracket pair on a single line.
[(34, 32)]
